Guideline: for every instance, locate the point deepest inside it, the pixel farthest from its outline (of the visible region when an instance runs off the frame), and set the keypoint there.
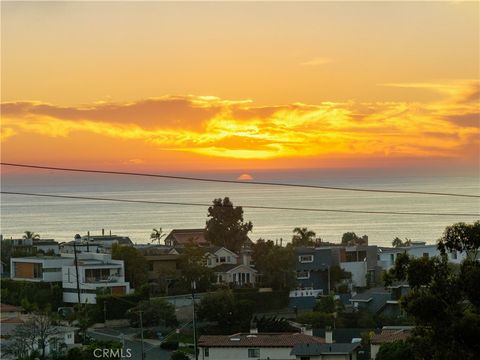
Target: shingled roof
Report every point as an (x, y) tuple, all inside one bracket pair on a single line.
[(258, 340), (391, 335), (182, 237)]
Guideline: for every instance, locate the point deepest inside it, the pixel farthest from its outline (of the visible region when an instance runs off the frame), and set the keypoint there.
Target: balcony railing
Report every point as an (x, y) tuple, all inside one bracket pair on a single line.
[(103, 279)]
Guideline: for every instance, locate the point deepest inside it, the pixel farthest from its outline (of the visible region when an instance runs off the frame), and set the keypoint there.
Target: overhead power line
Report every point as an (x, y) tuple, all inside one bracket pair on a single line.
[(237, 181), (243, 206)]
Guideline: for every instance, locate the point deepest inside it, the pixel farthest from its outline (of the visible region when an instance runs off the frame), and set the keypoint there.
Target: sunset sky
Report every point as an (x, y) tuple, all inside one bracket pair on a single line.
[(195, 86)]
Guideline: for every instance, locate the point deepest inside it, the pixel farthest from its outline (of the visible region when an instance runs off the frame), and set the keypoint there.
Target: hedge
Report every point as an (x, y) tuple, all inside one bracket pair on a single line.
[(34, 294), (264, 301)]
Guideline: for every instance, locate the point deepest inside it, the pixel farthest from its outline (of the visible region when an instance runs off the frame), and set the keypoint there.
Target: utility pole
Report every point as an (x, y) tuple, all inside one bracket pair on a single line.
[(194, 285), (76, 272), (328, 269), (141, 333), (105, 313)]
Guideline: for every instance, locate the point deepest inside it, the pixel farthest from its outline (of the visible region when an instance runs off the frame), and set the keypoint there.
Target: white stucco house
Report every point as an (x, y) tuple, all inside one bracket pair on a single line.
[(248, 346), (387, 256), (96, 272)]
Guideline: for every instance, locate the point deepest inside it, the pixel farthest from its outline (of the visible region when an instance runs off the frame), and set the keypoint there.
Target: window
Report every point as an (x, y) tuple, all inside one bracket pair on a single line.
[(454, 255), (37, 271), (206, 352), (209, 261), (150, 266), (392, 258), (303, 275), (253, 353), (228, 259), (52, 270), (222, 259), (305, 258), (425, 255)]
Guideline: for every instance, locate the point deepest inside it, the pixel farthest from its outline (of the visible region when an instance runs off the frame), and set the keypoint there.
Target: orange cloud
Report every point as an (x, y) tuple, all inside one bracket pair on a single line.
[(218, 128)]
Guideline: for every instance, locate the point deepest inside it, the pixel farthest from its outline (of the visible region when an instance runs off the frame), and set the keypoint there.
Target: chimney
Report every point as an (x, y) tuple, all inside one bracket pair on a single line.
[(88, 235), (306, 330), (103, 232), (253, 327), (328, 336)]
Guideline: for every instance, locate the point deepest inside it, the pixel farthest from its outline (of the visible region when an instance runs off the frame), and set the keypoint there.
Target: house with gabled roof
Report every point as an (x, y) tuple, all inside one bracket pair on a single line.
[(183, 237), (245, 346), (387, 335)]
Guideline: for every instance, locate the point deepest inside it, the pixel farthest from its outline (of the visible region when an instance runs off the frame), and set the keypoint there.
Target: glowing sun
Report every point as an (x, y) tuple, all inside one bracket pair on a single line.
[(245, 177)]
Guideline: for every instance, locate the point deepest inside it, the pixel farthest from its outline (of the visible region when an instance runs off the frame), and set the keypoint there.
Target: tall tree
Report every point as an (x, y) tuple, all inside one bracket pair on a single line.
[(397, 242), (35, 331), (192, 264), (157, 235), (275, 264), (225, 225), (155, 313), (461, 237), (303, 237), (221, 306), (444, 300), (135, 264), (350, 239), (30, 235)]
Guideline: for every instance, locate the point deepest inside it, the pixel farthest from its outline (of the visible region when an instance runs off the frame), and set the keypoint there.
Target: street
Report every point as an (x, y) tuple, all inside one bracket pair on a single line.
[(151, 347)]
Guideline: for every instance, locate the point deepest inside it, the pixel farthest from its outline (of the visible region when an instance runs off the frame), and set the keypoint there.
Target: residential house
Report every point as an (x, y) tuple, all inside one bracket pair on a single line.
[(106, 241), (387, 335), (32, 247), (329, 350), (38, 268), (380, 300), (79, 246), (183, 237), (230, 268), (361, 262), (388, 255), (247, 346), (162, 264), (333, 351), (312, 272), (96, 272)]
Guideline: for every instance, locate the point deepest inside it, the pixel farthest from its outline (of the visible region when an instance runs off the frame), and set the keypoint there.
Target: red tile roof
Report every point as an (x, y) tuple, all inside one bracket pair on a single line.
[(258, 340), (390, 335), (12, 320), (9, 308)]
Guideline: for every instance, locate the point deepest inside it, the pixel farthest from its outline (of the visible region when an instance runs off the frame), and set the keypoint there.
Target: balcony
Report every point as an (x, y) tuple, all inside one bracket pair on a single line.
[(101, 276)]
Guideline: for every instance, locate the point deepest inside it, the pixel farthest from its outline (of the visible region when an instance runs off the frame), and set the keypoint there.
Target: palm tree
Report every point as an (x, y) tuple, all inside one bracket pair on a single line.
[(303, 237), (30, 235), (157, 235)]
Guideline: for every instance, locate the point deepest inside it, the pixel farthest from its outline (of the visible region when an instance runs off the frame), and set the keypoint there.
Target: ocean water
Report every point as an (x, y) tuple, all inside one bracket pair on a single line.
[(61, 219)]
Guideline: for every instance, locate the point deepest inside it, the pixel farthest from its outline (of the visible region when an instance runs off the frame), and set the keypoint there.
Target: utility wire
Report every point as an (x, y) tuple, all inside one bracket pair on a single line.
[(243, 206), (237, 181)]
